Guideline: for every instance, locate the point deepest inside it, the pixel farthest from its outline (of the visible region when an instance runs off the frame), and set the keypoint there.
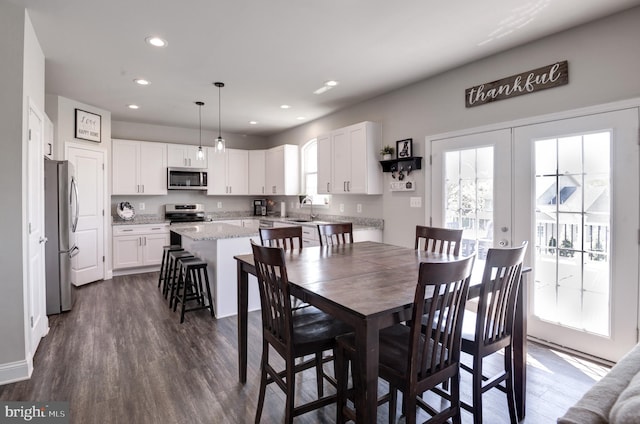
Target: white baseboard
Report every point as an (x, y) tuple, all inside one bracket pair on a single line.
[(140, 270), (13, 372)]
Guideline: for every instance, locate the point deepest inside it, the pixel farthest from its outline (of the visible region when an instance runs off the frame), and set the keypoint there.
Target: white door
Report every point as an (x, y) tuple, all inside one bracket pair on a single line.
[(471, 189), (88, 265), (576, 200), (37, 307)]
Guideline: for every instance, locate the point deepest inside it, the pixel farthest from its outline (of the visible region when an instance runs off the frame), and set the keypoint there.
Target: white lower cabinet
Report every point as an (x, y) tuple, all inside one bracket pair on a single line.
[(139, 245)]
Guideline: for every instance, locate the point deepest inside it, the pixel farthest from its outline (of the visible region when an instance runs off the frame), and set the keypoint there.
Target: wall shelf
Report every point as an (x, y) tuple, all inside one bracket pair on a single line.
[(395, 165)]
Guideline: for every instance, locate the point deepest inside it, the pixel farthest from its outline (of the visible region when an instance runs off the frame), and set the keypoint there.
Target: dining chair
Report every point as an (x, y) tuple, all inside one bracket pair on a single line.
[(490, 329), (288, 238), (414, 359), (441, 240), (338, 233), (292, 335)]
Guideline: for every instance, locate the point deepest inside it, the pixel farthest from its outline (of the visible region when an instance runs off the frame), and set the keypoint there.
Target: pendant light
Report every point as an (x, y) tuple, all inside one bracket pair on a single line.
[(219, 145), (200, 152)]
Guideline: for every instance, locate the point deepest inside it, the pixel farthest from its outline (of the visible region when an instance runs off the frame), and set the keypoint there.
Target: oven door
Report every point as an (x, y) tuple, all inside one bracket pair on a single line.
[(186, 179)]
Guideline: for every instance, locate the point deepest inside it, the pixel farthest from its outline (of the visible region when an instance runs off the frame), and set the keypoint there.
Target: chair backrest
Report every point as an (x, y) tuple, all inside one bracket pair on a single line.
[(440, 240), (275, 300), (340, 233), (436, 347), (284, 237), (498, 293)]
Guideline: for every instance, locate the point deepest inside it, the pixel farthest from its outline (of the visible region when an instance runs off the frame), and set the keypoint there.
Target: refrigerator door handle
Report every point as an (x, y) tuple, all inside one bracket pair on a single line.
[(74, 186)]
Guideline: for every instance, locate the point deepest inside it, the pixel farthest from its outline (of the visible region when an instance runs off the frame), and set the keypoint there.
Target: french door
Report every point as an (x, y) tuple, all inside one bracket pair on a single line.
[(576, 199)]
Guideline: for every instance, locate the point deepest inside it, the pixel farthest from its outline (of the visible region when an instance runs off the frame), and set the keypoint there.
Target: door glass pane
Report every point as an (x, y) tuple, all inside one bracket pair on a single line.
[(573, 231), (469, 197)]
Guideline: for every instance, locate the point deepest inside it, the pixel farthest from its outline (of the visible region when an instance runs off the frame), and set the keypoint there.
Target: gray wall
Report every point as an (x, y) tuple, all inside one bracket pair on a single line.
[(604, 66)]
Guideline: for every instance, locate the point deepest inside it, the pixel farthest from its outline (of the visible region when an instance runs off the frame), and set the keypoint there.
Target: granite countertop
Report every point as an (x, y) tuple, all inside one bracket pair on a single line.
[(212, 231)]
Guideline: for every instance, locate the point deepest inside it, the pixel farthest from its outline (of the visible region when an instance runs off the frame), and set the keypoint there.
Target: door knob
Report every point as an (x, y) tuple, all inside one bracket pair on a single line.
[(503, 243), (43, 240)]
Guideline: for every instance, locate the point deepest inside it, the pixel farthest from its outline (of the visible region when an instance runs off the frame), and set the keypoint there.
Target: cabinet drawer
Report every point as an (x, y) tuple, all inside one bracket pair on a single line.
[(309, 233), (124, 230)]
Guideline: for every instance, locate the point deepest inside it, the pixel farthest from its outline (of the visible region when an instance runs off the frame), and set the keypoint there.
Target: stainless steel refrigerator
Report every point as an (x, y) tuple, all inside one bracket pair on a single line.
[(60, 222)]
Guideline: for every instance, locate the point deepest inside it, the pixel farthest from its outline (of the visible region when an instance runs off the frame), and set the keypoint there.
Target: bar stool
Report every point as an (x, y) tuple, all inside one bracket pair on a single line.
[(171, 277), (165, 262), (192, 284)]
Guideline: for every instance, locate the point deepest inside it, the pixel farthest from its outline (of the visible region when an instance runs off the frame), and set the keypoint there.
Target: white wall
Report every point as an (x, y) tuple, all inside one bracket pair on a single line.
[(22, 80), (604, 65)]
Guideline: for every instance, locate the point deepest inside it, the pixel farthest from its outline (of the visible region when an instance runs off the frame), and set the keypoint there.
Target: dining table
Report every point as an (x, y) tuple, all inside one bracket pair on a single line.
[(370, 286)]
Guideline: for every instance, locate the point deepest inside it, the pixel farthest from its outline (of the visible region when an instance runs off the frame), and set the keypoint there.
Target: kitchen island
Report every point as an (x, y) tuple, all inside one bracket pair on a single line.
[(217, 243)]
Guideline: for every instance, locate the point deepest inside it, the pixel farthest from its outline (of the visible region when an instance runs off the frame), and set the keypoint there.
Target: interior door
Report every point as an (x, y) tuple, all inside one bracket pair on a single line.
[(576, 199), (37, 308), (88, 265), (471, 188)]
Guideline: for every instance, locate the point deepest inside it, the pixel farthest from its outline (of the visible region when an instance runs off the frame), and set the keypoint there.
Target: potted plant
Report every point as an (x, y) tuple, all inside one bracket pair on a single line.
[(386, 152)]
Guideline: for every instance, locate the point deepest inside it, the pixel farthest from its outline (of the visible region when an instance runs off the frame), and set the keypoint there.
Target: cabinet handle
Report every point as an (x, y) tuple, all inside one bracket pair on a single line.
[(328, 191), (126, 230), (344, 186), (189, 161), (262, 189), (158, 228), (230, 189), (348, 185), (145, 241), (143, 188)]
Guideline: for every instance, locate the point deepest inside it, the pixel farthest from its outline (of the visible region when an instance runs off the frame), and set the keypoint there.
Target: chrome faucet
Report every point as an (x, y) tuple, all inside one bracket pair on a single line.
[(309, 201)]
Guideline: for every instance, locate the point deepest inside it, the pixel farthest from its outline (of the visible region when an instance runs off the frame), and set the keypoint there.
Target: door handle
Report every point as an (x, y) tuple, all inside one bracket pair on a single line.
[(503, 243), (43, 240)]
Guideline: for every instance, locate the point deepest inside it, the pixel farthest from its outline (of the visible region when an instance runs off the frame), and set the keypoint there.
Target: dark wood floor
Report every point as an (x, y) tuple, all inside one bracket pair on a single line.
[(120, 356)]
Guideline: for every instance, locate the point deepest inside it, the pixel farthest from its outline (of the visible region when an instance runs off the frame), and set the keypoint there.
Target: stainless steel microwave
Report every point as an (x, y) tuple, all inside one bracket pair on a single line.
[(186, 179)]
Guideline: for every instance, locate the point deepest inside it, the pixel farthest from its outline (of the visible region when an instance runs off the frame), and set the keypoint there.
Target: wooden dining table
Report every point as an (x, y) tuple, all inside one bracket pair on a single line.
[(369, 286)]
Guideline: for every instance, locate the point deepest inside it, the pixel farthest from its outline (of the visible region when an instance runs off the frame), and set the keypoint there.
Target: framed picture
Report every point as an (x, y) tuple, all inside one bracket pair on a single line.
[(88, 126), (404, 148)]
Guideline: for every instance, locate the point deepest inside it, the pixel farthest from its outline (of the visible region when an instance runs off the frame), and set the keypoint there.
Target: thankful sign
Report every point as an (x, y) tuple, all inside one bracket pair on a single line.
[(517, 85)]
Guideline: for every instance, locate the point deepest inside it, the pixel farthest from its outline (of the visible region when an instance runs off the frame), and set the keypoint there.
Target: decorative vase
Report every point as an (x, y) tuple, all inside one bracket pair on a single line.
[(386, 157)]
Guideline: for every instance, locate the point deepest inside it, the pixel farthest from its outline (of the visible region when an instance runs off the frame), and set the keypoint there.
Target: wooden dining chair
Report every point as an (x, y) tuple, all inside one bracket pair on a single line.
[(338, 233), (414, 359), (288, 238), (308, 331), (490, 329), (441, 240)]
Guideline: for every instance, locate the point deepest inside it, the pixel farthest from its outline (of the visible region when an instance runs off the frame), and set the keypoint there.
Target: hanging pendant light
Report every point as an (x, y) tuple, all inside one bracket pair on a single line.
[(219, 143), (200, 152)]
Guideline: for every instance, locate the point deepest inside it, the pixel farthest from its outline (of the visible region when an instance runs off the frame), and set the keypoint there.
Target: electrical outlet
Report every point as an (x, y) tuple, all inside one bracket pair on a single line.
[(141, 206), (297, 205), (359, 208), (219, 205), (291, 205), (415, 202), (341, 207)]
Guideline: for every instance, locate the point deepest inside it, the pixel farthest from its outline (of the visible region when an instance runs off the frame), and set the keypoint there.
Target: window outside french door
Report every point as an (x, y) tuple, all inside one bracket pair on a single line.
[(576, 199)]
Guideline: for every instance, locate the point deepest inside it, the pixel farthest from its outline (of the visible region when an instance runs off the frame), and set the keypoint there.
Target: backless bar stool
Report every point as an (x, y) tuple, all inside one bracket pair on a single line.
[(171, 278), (165, 262), (193, 285)]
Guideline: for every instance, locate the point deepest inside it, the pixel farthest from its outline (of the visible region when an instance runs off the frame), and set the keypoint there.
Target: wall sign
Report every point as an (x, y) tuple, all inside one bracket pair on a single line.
[(88, 126), (516, 85)]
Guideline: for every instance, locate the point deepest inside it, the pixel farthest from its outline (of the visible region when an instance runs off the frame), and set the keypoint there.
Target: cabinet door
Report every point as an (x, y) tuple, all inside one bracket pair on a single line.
[(325, 162), (127, 252), (341, 160), (237, 171), (124, 167), (153, 168), (357, 136), (257, 172), (177, 156), (275, 170), (152, 248), (191, 155), (217, 173)]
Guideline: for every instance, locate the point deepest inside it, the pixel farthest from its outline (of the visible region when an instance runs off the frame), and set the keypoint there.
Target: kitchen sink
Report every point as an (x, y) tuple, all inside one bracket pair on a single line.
[(299, 220)]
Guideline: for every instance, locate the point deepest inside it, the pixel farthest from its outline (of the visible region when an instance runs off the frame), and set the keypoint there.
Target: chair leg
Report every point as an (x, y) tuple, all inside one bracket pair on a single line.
[(263, 380), (455, 399), (511, 396), (291, 388), (187, 281), (409, 400), (393, 403), (319, 375), (341, 367), (477, 389)]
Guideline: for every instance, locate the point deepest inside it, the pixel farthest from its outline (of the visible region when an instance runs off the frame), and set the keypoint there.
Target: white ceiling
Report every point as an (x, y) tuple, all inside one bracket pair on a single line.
[(273, 52)]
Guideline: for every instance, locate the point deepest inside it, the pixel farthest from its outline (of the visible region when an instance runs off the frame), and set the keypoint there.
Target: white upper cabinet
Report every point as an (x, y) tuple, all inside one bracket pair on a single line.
[(257, 174), (186, 156), (228, 172), (138, 167), (350, 156), (282, 170)]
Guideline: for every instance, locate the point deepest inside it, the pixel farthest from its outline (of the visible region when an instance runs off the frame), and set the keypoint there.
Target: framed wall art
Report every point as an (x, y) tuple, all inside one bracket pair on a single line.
[(88, 126), (404, 148)]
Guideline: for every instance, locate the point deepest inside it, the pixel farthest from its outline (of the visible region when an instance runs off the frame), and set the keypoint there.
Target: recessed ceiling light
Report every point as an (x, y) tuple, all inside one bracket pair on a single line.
[(156, 41), (133, 106), (141, 81), (284, 106), (328, 85), (331, 83), (253, 122), (301, 118)]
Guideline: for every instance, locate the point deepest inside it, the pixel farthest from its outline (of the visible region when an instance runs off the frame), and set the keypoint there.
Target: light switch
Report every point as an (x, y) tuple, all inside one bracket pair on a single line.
[(219, 205), (415, 202), (141, 206), (341, 207), (359, 208)]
